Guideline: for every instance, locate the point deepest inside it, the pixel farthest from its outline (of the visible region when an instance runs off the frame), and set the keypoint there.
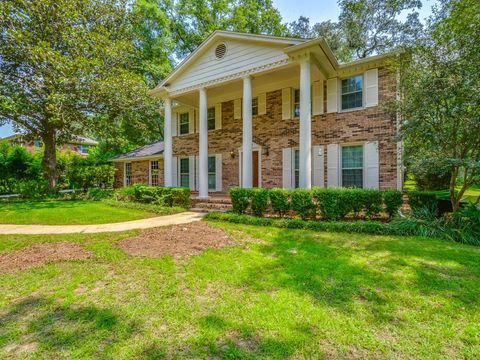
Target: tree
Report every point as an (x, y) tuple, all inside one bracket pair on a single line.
[(441, 97), (193, 20), (69, 67), (374, 26)]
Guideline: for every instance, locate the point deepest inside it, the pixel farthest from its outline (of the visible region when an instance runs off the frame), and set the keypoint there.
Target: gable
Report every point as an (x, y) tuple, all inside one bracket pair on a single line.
[(240, 56)]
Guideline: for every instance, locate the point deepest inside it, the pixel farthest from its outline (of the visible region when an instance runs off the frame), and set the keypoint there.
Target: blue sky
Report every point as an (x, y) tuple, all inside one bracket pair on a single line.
[(291, 10)]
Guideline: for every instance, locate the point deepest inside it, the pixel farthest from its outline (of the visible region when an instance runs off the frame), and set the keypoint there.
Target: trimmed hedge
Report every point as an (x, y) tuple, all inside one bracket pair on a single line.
[(332, 204), (158, 195)]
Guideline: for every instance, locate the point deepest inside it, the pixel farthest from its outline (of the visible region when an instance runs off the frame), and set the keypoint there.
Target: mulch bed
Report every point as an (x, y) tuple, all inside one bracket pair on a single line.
[(177, 240), (41, 254)]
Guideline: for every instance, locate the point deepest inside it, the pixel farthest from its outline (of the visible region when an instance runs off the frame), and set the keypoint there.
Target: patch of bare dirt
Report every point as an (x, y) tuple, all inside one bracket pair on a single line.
[(177, 240), (41, 254)]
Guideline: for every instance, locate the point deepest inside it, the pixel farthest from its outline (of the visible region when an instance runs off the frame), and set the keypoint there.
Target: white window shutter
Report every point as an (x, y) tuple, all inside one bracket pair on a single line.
[(318, 166), (218, 172), (371, 165), (175, 171), (197, 173), (237, 109), (287, 168), (262, 104), (191, 121), (174, 124), (371, 88), (333, 153), (218, 116), (197, 122), (191, 172), (317, 98), (286, 103), (332, 95)]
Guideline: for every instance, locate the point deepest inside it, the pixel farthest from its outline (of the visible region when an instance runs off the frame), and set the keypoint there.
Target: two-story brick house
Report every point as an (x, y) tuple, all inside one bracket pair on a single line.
[(255, 110)]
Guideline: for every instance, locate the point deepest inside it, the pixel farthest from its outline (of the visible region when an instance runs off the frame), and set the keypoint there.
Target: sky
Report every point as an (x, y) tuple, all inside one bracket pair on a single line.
[(291, 10)]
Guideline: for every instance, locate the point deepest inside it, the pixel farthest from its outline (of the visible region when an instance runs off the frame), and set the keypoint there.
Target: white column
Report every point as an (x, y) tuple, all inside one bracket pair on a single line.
[(203, 145), (305, 170), (247, 133), (167, 143)]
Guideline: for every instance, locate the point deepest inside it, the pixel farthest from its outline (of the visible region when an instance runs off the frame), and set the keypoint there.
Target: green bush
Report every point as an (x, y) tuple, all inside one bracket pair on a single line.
[(180, 196), (372, 202), (259, 201), (302, 203), (84, 177), (99, 194), (279, 198), (334, 204), (162, 196), (33, 189), (423, 204), (240, 199), (393, 200)]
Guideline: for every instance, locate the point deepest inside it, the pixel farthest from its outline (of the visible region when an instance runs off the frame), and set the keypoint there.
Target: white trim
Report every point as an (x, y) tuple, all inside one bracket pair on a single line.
[(255, 147), (139, 158)]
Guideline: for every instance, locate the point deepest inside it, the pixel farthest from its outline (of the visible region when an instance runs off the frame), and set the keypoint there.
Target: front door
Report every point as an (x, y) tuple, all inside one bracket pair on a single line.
[(255, 168)]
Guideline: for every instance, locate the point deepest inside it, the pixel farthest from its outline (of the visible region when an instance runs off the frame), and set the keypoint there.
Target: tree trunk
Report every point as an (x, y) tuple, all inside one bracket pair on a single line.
[(50, 159)]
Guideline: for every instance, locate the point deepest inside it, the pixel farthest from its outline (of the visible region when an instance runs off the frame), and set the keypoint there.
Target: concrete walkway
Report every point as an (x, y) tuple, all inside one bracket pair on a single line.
[(181, 218)]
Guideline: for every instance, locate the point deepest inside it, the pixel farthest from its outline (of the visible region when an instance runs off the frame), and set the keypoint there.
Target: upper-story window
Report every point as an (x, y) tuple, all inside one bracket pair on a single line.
[(255, 106), (352, 92), (296, 103), (184, 124), (211, 118)]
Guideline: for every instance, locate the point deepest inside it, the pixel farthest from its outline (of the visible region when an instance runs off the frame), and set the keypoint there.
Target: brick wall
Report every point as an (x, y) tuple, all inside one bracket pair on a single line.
[(140, 172), (274, 134)]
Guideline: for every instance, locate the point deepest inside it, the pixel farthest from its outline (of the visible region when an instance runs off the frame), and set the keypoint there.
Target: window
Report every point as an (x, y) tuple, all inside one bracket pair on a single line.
[(212, 177), (255, 106), (128, 174), (296, 103), (154, 172), (352, 166), (211, 118), (83, 149), (184, 124), (352, 92), (184, 172), (38, 144), (296, 168)]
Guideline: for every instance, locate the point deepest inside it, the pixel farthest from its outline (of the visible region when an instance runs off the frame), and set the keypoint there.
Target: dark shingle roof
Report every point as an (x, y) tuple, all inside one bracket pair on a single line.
[(146, 150)]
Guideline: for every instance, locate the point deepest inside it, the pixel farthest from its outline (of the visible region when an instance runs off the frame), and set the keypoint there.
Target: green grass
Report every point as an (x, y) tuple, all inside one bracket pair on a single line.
[(74, 212), (279, 293)]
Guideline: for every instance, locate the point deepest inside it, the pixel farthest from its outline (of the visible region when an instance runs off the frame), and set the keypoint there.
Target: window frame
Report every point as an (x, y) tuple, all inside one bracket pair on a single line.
[(362, 145), (296, 168), (294, 103), (340, 93), (180, 123), (209, 118), (127, 175), (180, 173), (152, 175), (214, 173), (255, 106)]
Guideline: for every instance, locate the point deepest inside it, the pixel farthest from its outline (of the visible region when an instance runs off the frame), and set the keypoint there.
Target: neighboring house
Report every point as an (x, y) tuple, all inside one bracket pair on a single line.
[(256, 110), (78, 144)]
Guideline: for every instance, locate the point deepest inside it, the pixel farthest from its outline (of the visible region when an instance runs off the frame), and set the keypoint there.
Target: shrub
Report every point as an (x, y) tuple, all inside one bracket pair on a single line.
[(372, 202), (240, 199), (99, 194), (85, 177), (279, 198), (302, 203), (334, 204), (259, 201), (162, 196), (423, 204), (431, 174), (180, 196), (32, 189), (393, 200)]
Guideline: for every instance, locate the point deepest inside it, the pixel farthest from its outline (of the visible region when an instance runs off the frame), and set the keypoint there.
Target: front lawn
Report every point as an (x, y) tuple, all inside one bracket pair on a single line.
[(66, 212), (277, 293)]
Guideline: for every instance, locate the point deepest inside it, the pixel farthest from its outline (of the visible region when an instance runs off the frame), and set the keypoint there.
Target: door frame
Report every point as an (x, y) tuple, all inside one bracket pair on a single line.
[(255, 147)]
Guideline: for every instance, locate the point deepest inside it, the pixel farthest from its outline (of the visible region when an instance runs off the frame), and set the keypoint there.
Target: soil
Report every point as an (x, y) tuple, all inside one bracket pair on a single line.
[(177, 240), (40, 254)]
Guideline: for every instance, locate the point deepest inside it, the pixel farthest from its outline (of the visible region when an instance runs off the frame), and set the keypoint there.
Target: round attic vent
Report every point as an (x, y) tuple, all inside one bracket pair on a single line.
[(220, 51)]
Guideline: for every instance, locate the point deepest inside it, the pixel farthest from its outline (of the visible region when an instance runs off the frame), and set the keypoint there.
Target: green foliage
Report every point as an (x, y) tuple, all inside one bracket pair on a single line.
[(393, 200), (423, 204), (372, 202), (32, 189), (240, 199), (85, 177), (99, 194), (259, 201), (302, 203), (334, 204), (279, 199), (429, 173), (158, 195)]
